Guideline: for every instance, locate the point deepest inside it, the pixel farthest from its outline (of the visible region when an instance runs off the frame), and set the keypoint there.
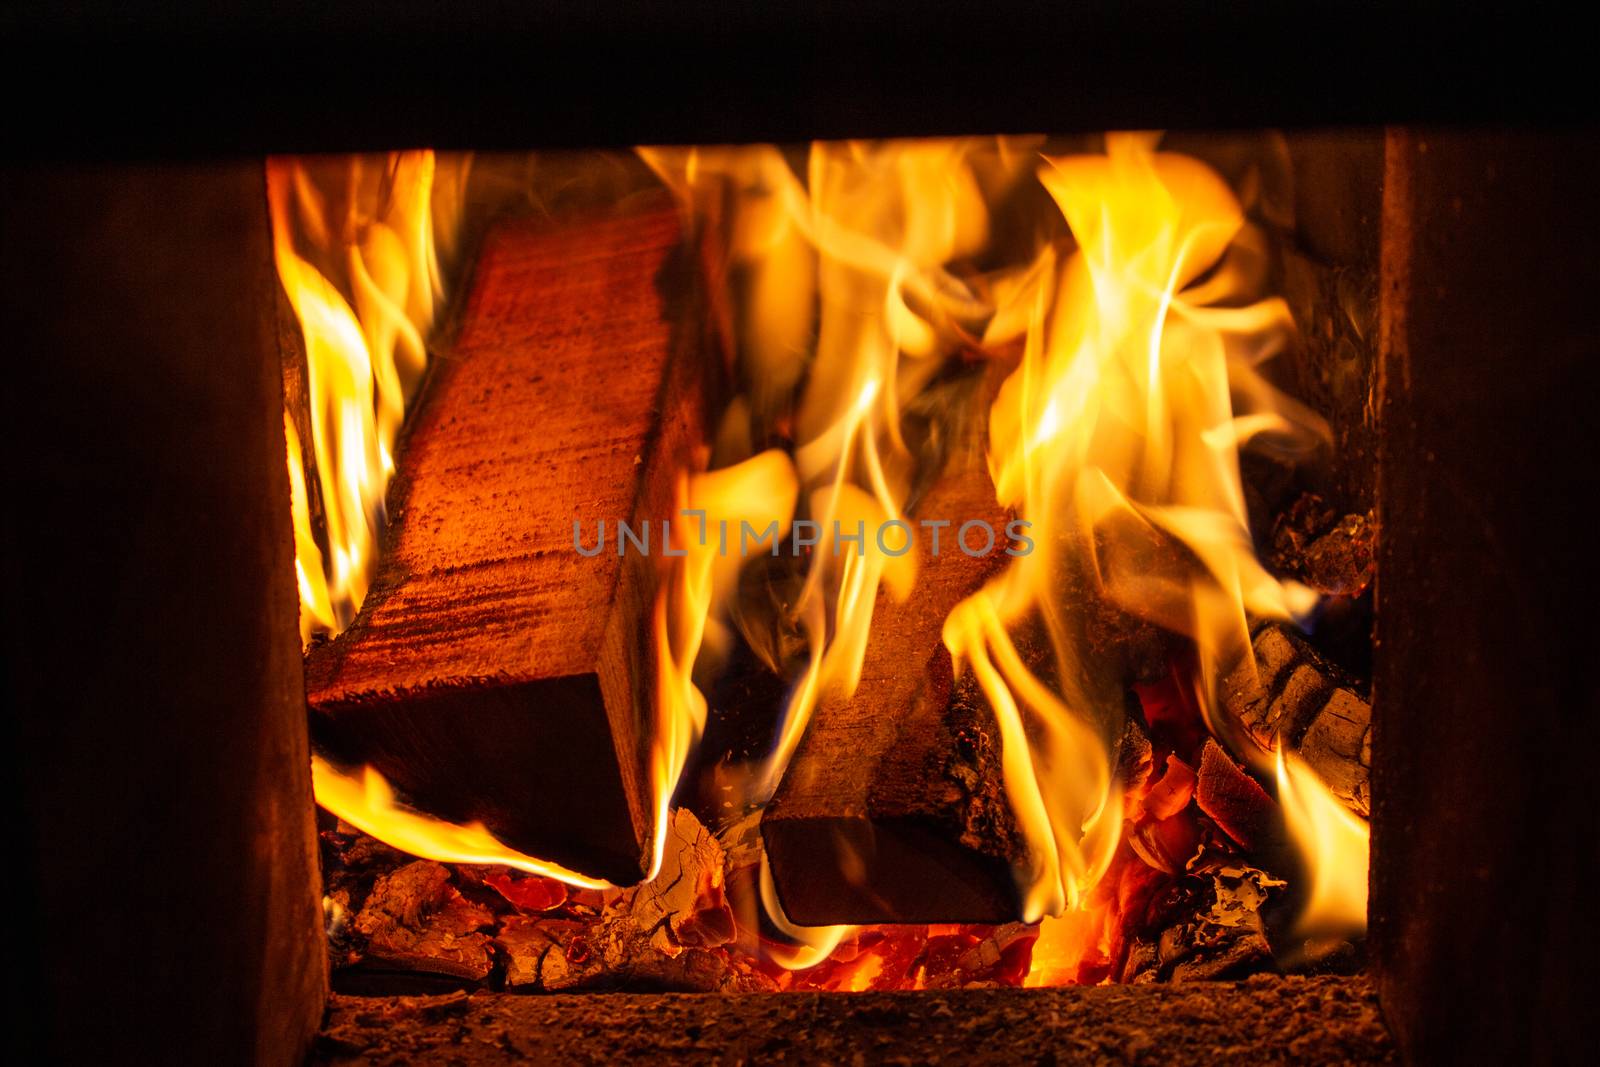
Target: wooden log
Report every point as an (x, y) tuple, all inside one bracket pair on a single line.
[(893, 809), (494, 674), (1294, 696), (663, 934)]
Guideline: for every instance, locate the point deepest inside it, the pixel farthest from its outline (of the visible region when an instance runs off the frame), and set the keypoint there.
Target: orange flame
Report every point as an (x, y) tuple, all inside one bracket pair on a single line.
[(1117, 436), (755, 493), (364, 355), (368, 803), (1335, 844), (866, 239)]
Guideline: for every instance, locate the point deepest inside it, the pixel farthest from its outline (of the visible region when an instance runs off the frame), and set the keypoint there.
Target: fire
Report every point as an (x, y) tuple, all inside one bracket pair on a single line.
[(361, 270), (864, 240), (1117, 435), (1335, 844), (367, 802), (365, 288), (852, 276), (756, 493)]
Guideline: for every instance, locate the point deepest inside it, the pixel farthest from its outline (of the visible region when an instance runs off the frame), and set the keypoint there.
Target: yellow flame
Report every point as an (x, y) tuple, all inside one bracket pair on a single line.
[(1117, 437), (865, 240), (367, 802), (868, 237), (1335, 844), (758, 492), (364, 290)]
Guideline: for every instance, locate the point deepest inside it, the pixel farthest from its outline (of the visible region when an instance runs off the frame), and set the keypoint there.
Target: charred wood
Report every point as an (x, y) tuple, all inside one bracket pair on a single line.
[(417, 923), (1234, 800), (1292, 696), (666, 934), (1331, 553), (402, 925), (1210, 927)]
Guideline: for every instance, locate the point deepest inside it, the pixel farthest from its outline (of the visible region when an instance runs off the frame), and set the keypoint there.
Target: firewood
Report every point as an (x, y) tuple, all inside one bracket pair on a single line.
[(402, 925), (1338, 746), (617, 955), (893, 809), (494, 674), (685, 905), (661, 935), (1294, 697), (524, 941)]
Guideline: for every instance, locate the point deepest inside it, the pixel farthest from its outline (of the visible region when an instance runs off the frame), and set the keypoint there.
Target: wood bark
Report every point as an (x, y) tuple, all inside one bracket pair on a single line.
[(494, 674)]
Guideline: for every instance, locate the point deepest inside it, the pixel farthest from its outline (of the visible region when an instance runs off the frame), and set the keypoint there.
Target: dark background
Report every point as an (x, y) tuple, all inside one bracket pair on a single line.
[(93, 80)]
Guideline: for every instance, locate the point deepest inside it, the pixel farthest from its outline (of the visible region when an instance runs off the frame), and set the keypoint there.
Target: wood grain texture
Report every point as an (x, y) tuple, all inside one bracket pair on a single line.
[(494, 673), (892, 809)]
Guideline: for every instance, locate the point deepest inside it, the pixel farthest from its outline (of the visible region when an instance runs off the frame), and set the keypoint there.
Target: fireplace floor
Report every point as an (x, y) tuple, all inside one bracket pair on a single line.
[(1322, 1019)]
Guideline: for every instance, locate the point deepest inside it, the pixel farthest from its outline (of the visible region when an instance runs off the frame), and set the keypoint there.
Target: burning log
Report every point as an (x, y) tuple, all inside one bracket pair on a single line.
[(893, 809), (493, 673), (1293, 697)]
